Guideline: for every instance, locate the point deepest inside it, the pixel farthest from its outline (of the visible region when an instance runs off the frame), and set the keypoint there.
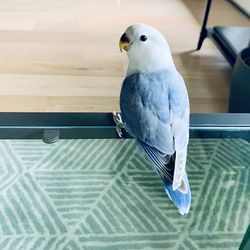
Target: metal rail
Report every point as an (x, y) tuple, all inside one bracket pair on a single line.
[(53, 126)]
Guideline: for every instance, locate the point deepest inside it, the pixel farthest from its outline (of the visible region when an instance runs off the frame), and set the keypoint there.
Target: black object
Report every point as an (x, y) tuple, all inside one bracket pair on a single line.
[(203, 33), (229, 40), (51, 136), (239, 99), (245, 244)]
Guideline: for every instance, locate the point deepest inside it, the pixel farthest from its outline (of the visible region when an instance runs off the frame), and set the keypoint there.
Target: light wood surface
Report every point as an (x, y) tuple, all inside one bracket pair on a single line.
[(63, 55)]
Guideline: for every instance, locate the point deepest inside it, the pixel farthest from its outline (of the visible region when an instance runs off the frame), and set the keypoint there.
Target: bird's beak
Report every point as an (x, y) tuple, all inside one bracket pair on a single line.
[(124, 43)]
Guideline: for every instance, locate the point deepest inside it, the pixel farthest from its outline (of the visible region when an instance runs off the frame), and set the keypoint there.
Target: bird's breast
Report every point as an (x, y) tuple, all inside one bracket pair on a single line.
[(144, 102)]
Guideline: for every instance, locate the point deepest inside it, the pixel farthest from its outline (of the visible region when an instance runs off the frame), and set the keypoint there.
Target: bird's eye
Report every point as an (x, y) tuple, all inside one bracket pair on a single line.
[(143, 38)]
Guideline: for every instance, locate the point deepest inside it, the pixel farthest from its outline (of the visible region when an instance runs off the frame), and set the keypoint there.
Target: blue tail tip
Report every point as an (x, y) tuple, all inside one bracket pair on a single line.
[(181, 200)]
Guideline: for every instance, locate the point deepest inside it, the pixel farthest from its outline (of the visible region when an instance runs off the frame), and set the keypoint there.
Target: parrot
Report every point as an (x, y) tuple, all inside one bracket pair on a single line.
[(155, 109)]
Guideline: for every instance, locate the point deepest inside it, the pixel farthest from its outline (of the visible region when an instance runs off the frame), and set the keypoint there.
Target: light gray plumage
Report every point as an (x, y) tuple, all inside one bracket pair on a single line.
[(155, 108)]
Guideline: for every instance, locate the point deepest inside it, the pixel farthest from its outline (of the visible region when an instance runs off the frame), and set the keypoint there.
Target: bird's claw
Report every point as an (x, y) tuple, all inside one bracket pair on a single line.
[(119, 131), (119, 123), (117, 118)]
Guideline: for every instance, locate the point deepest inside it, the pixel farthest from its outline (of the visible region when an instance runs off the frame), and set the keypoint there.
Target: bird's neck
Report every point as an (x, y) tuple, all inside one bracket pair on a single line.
[(147, 65)]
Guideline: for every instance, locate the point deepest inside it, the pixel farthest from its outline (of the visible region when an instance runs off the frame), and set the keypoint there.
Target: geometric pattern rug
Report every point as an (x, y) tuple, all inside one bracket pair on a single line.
[(103, 194)]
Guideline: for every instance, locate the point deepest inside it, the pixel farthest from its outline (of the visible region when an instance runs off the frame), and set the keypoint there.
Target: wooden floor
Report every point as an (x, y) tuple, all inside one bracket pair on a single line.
[(63, 55)]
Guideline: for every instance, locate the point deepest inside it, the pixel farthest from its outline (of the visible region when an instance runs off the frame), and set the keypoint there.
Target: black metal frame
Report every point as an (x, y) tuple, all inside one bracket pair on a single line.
[(204, 31), (53, 126), (229, 56), (209, 32)]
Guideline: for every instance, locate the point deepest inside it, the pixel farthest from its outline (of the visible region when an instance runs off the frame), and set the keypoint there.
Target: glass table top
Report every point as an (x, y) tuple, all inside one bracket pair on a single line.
[(91, 190)]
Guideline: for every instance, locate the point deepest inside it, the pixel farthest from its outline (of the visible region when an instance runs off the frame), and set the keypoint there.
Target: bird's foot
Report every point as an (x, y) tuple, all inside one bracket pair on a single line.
[(119, 123)]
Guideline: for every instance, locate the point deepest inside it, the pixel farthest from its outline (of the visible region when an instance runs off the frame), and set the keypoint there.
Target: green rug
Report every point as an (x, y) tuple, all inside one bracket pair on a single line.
[(103, 194)]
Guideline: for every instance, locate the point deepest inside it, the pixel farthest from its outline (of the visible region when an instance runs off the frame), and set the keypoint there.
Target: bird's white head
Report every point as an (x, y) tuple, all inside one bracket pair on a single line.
[(147, 49)]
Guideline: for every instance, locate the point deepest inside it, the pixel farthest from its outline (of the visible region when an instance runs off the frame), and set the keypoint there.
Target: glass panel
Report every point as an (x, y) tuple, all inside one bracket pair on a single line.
[(103, 194)]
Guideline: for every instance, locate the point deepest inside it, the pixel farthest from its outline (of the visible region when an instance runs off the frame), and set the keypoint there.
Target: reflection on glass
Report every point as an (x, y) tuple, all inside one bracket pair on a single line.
[(103, 193)]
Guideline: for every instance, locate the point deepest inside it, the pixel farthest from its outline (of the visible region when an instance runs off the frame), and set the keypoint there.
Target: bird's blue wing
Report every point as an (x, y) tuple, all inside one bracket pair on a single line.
[(161, 162), (144, 103)]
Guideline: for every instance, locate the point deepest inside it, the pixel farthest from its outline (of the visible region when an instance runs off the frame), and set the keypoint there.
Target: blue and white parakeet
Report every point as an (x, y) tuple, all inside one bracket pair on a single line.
[(155, 109)]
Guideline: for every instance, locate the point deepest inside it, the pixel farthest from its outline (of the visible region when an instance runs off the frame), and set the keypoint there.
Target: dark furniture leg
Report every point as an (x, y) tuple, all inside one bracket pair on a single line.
[(203, 33), (245, 244)]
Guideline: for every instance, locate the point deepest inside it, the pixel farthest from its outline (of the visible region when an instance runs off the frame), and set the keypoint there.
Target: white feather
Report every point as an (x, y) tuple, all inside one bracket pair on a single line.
[(180, 131), (149, 56)]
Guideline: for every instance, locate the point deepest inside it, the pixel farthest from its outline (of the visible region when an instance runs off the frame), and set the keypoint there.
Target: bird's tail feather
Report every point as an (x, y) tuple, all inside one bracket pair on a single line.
[(164, 167), (160, 162), (181, 200)]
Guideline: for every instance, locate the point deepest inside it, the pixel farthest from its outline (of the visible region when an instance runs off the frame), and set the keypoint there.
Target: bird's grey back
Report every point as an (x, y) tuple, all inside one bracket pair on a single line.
[(144, 103)]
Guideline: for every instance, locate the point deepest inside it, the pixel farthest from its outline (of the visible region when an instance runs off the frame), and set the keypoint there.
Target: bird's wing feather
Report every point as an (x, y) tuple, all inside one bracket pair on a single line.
[(143, 99), (179, 112), (155, 109), (164, 167), (162, 163)]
